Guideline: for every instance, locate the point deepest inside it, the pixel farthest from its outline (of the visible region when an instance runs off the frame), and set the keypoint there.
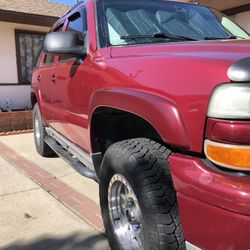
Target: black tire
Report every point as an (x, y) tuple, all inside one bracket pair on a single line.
[(41, 146), (144, 164)]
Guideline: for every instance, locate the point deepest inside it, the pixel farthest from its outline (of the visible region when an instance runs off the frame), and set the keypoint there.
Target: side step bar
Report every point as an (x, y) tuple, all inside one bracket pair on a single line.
[(74, 162)]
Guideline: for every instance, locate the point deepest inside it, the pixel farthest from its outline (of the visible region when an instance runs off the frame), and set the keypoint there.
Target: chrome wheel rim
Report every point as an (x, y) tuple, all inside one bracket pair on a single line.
[(37, 130), (125, 213)]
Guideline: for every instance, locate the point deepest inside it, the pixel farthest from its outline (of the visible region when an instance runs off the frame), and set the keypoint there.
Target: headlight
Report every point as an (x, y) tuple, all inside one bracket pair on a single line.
[(230, 101)]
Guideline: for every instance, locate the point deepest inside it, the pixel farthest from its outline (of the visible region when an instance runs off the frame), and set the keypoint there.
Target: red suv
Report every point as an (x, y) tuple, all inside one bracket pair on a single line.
[(151, 99)]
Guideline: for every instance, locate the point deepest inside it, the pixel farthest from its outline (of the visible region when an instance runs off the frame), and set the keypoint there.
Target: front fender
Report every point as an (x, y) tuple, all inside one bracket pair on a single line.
[(161, 113)]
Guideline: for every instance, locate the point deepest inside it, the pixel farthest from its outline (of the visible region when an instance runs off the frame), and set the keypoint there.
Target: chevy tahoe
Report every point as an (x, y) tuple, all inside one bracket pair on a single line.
[(151, 99)]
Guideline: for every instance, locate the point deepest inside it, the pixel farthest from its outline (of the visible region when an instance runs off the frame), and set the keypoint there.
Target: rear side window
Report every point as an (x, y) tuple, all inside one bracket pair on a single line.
[(50, 58)]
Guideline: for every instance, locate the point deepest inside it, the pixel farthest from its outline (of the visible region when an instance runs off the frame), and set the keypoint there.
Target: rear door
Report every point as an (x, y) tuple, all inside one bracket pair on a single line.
[(46, 84), (71, 88)]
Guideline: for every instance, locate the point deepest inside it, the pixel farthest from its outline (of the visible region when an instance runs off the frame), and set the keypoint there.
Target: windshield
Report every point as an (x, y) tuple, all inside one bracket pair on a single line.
[(134, 21)]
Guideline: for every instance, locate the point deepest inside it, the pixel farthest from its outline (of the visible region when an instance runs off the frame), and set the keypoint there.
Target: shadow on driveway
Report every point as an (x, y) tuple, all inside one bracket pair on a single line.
[(74, 242)]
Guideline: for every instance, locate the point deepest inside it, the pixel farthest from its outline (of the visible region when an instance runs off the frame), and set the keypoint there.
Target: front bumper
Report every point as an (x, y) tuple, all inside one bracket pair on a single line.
[(214, 206)]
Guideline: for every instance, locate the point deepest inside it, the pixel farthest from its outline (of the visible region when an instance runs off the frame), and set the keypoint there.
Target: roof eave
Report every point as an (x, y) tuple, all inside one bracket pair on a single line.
[(27, 18)]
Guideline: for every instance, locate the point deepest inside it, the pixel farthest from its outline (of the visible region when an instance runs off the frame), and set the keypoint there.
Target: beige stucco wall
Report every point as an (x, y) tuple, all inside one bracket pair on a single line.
[(222, 4), (244, 20), (18, 95), (8, 64)]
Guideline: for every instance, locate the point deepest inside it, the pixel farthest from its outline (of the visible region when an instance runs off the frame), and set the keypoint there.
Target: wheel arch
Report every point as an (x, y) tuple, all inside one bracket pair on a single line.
[(161, 115)]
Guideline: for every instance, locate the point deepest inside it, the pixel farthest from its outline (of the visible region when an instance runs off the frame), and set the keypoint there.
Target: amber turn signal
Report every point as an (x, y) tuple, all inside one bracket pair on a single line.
[(229, 156)]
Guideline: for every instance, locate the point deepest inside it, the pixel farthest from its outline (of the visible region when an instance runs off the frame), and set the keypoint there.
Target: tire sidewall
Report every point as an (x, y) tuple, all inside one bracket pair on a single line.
[(114, 163)]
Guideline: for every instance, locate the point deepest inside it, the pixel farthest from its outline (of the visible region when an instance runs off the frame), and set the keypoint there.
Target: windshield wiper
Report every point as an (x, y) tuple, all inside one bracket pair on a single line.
[(158, 35), (214, 38), (222, 38), (236, 37)]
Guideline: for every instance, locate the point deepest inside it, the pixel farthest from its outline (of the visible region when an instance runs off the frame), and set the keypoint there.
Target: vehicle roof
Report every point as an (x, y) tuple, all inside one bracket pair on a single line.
[(73, 8), (78, 4), (85, 1)]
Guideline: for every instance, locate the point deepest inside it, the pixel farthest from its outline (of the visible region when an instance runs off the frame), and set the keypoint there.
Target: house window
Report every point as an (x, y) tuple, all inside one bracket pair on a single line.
[(28, 45)]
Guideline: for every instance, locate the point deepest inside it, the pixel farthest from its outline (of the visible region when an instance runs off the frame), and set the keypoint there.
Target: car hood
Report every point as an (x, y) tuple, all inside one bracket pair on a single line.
[(220, 54), (231, 50)]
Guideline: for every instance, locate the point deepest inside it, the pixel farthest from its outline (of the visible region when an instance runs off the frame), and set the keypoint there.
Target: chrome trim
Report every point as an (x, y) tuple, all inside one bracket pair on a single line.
[(82, 156), (190, 246), (125, 214), (37, 131), (239, 71)]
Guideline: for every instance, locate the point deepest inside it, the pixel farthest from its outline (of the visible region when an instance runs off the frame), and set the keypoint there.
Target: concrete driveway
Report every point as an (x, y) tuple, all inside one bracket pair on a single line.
[(44, 204)]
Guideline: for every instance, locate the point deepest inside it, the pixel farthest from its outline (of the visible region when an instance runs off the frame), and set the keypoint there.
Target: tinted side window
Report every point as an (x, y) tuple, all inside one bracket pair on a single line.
[(50, 58), (77, 23), (39, 58)]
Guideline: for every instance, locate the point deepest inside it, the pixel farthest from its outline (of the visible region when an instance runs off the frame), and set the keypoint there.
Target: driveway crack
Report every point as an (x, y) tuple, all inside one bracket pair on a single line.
[(18, 192)]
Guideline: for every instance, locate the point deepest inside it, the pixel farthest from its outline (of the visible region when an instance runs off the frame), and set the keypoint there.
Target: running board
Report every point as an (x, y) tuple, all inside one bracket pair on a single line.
[(71, 160)]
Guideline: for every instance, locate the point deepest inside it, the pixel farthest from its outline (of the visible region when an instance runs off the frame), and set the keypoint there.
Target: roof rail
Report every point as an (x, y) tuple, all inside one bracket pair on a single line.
[(76, 5), (73, 7)]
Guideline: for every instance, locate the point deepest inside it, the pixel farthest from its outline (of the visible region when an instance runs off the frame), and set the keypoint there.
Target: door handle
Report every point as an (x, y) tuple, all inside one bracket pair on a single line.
[(53, 79), (39, 77)]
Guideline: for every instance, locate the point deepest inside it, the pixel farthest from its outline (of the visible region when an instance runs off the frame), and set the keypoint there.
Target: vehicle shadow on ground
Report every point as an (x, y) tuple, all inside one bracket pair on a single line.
[(75, 241)]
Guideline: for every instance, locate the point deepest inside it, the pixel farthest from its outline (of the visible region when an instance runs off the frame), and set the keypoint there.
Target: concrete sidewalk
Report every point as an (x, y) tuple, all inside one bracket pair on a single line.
[(44, 204)]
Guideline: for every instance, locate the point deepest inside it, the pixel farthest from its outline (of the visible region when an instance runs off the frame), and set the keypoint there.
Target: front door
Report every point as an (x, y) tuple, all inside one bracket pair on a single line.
[(71, 79)]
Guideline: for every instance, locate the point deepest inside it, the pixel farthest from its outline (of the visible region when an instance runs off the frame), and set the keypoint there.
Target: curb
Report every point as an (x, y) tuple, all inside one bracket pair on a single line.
[(16, 132)]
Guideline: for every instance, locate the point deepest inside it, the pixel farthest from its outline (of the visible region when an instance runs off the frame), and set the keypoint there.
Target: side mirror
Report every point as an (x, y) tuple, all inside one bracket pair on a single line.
[(64, 43)]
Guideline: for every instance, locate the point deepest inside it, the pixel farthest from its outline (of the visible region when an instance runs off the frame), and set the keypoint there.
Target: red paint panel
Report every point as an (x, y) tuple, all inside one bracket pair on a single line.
[(193, 178), (184, 73), (211, 228), (237, 132)]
